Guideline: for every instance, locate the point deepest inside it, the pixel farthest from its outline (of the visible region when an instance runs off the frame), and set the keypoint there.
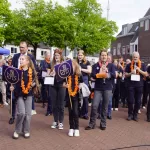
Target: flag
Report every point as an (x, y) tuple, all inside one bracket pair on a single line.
[(63, 70), (11, 75)]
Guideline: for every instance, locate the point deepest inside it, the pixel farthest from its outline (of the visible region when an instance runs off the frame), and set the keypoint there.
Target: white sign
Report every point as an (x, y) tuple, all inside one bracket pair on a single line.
[(135, 77)]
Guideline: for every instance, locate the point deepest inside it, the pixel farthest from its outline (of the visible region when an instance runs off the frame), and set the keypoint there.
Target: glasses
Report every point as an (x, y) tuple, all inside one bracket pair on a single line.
[(21, 47)]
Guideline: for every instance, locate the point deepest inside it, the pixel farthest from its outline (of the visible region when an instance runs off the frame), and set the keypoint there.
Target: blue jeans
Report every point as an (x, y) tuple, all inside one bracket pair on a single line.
[(109, 107), (102, 97)]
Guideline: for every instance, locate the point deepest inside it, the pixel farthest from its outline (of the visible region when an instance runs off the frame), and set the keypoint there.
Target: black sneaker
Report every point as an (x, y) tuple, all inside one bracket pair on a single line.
[(130, 117), (109, 117), (47, 114), (86, 117), (89, 128), (11, 121), (135, 118), (102, 128)]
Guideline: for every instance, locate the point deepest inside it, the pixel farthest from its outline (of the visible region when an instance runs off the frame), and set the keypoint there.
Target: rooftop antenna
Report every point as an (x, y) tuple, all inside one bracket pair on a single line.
[(108, 9)]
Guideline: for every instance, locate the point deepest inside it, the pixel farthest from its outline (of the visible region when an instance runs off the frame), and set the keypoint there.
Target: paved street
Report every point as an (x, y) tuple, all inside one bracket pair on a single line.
[(118, 135)]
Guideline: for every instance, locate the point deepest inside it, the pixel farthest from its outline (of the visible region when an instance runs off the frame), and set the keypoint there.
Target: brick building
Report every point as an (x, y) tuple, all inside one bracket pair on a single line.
[(133, 37)]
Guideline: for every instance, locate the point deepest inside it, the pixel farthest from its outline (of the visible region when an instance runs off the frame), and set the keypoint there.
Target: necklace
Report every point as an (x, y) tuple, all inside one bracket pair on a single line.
[(73, 93), (132, 66), (26, 89)]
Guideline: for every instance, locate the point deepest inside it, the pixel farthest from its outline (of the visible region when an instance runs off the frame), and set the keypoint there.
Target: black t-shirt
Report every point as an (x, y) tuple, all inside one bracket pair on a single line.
[(84, 66), (135, 83)]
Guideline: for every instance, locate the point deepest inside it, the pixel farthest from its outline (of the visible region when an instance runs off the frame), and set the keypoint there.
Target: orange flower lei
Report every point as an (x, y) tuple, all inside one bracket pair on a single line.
[(73, 93), (132, 66), (25, 90)]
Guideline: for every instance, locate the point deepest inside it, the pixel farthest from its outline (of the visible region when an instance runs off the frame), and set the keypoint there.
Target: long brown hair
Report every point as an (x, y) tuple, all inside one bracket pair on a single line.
[(76, 68), (31, 65), (84, 59), (59, 51)]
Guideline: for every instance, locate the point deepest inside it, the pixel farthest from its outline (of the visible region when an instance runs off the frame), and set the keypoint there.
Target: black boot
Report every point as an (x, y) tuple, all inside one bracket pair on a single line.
[(135, 118)]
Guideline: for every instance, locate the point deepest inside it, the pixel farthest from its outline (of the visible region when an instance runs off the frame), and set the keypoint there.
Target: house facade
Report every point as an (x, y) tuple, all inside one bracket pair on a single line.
[(133, 37)]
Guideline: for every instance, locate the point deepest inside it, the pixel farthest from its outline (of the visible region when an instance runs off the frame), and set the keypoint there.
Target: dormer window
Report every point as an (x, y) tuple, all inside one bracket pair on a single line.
[(146, 25), (125, 30)]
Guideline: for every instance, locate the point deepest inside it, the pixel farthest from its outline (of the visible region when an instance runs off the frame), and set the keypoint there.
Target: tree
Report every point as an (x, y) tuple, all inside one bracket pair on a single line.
[(29, 24), (5, 16), (93, 32)]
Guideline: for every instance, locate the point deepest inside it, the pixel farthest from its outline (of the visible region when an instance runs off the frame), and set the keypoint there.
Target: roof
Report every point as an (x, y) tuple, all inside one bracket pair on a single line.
[(133, 29), (147, 13)]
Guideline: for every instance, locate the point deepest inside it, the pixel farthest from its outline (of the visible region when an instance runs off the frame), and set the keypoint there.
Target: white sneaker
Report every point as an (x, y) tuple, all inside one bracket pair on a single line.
[(139, 111), (116, 109), (144, 107), (60, 126), (54, 125), (76, 133), (34, 112), (71, 132), (90, 104), (6, 104), (15, 135), (27, 135), (112, 109)]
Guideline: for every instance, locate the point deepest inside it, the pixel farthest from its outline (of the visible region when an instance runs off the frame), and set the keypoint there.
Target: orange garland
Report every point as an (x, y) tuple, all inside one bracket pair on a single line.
[(73, 93), (132, 66), (25, 90), (101, 75)]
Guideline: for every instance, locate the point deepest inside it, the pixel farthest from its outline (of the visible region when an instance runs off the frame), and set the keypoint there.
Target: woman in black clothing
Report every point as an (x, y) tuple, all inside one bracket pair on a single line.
[(58, 92), (85, 71), (73, 99), (116, 95), (148, 86)]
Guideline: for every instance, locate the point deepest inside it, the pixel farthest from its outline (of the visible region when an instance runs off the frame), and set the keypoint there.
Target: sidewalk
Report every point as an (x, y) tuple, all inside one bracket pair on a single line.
[(120, 133)]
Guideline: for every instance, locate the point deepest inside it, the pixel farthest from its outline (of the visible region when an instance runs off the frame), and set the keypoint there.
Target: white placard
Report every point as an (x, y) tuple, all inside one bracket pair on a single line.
[(44, 74), (49, 80), (93, 85), (135, 77)]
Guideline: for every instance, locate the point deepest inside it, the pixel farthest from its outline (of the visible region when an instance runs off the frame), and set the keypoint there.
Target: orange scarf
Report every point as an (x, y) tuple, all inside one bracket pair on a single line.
[(47, 60), (132, 66)]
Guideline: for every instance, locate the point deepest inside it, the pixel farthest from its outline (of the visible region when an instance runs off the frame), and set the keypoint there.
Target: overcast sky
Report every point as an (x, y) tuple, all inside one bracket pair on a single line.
[(121, 11)]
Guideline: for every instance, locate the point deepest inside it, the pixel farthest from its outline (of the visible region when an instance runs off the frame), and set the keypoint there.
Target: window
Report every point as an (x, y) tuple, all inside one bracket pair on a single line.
[(127, 49), (13, 50), (146, 25), (118, 48), (114, 51), (142, 24), (125, 30), (131, 49), (123, 50), (42, 53), (136, 48)]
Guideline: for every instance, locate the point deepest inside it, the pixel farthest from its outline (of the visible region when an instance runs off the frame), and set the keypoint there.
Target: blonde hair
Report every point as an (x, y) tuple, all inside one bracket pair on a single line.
[(76, 68), (84, 59), (31, 65)]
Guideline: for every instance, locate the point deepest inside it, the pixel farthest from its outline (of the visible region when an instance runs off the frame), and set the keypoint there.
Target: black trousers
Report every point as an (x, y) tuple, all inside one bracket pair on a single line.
[(145, 93), (116, 95), (73, 112), (134, 100), (148, 105), (58, 96)]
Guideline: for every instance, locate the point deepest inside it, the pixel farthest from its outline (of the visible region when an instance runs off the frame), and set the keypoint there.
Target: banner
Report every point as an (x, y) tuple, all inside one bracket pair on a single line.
[(11, 75), (63, 70)]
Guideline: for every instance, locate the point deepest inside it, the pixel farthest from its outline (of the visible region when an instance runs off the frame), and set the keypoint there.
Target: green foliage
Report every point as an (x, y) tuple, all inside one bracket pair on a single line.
[(5, 16), (78, 25)]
